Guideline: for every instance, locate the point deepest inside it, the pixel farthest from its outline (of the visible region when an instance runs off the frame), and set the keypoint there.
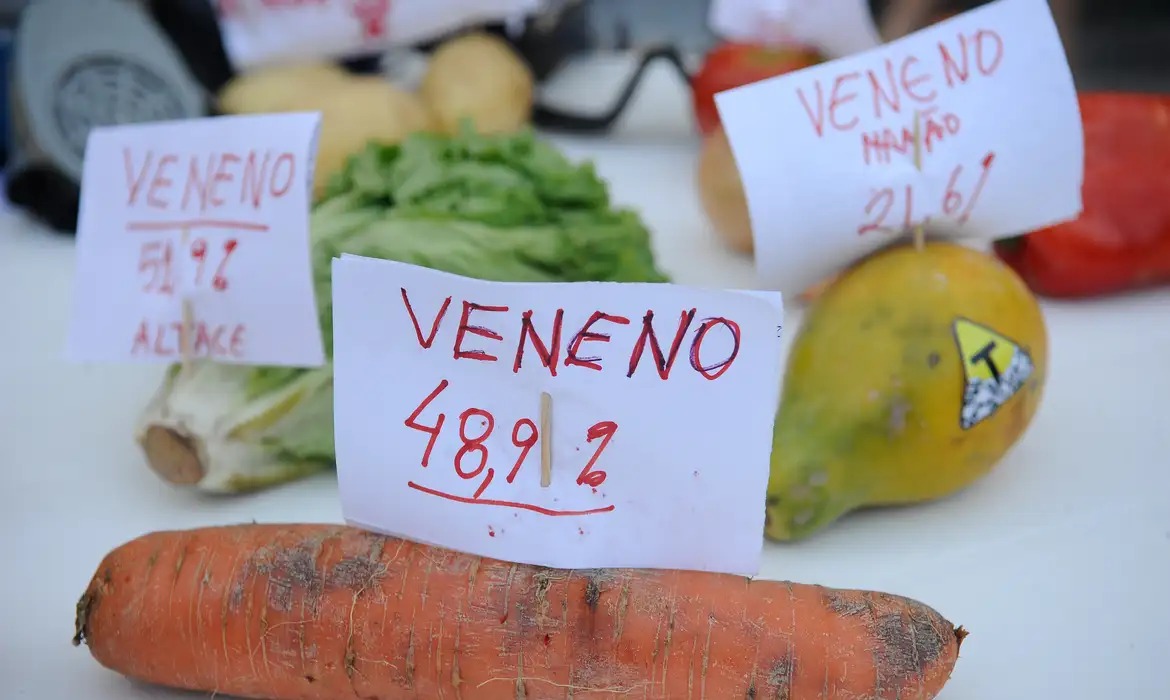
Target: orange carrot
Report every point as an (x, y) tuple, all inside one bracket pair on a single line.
[(328, 612)]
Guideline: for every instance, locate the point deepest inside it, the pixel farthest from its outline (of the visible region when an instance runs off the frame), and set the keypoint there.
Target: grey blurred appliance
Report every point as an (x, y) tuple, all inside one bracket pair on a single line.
[(76, 65)]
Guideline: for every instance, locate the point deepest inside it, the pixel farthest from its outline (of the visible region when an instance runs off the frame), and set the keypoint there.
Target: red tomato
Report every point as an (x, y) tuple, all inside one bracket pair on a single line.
[(1121, 241), (732, 64)]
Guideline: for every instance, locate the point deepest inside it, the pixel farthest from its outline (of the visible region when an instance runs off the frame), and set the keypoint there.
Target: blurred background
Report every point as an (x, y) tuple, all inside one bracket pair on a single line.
[(82, 64)]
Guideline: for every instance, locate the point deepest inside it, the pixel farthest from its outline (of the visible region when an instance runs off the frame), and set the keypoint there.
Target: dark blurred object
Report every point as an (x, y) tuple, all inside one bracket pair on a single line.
[(1121, 241), (1124, 45), (5, 68), (549, 39), (549, 117), (77, 65), (9, 15), (582, 27), (194, 29)]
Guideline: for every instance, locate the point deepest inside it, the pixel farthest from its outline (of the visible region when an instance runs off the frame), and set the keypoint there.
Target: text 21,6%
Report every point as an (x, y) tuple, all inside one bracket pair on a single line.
[(471, 460), (891, 203)]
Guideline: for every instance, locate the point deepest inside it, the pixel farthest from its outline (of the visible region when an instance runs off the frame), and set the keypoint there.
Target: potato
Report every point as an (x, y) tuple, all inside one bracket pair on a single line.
[(721, 192), (478, 76), (357, 111), (272, 89)]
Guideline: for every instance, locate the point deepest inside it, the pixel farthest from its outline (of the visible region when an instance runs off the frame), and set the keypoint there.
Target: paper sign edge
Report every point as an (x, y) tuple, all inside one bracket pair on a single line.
[(772, 299)]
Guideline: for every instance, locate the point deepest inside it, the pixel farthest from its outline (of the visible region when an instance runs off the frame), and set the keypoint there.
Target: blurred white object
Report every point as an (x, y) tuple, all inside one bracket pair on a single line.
[(835, 27), (263, 32)]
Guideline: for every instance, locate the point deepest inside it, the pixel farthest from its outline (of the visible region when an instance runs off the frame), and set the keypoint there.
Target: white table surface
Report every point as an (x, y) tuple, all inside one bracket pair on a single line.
[(1058, 562)]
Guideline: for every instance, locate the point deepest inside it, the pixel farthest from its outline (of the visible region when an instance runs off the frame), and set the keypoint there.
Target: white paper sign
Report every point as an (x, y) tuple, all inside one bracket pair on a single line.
[(835, 27), (827, 154), (207, 216), (660, 444), (261, 32)]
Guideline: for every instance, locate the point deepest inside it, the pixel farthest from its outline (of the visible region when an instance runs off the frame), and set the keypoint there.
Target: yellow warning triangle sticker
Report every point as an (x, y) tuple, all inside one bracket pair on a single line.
[(994, 369)]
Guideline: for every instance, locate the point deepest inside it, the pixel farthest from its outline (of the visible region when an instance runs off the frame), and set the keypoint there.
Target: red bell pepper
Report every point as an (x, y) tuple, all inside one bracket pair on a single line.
[(1121, 240), (732, 64)]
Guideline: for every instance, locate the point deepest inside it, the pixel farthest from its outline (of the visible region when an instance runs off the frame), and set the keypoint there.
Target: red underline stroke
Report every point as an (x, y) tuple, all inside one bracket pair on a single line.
[(195, 223), (506, 504)]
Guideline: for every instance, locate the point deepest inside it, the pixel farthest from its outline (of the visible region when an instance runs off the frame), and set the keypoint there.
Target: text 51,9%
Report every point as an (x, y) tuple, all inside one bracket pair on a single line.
[(157, 262)]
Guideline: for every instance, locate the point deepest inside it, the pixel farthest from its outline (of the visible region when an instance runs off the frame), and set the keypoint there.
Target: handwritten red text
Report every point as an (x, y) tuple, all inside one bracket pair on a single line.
[(204, 182), (900, 85), (157, 264), (167, 338), (372, 15), (659, 342), (894, 210), (472, 461), (879, 146)]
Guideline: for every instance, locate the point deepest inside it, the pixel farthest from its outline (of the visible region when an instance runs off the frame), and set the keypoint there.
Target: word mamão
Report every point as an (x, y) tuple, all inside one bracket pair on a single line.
[(596, 330), (931, 127)]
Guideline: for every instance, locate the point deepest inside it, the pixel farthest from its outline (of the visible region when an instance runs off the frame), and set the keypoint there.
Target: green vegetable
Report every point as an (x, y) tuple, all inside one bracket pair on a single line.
[(505, 208)]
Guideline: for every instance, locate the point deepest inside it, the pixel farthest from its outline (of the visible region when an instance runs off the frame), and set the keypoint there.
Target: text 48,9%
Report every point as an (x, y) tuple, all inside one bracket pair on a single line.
[(471, 459)]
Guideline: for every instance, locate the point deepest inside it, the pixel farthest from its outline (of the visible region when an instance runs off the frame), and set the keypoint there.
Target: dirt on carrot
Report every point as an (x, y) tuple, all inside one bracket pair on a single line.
[(322, 612)]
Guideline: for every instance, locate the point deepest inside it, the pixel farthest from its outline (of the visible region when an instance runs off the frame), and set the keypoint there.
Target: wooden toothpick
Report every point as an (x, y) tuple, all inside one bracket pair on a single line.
[(545, 439), (188, 319), (919, 230)]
